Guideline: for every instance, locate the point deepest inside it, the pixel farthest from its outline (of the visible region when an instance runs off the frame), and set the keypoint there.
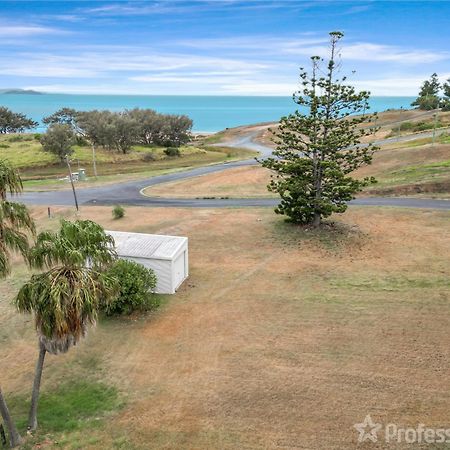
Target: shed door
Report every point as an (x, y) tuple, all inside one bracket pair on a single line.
[(179, 270)]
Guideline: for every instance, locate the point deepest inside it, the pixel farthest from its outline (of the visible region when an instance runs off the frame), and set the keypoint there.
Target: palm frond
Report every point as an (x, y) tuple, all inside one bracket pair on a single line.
[(10, 180), (76, 244), (65, 301)]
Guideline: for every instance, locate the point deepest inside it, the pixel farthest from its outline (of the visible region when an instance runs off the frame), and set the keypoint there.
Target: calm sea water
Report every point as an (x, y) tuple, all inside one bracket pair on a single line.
[(209, 113)]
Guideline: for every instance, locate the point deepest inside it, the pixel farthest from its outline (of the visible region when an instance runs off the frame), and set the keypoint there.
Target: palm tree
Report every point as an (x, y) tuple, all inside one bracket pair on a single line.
[(15, 222), (65, 299)]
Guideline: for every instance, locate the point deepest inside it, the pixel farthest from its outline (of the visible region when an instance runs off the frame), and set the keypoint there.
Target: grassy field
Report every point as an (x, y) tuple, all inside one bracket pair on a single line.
[(282, 337), (414, 167), (42, 170)]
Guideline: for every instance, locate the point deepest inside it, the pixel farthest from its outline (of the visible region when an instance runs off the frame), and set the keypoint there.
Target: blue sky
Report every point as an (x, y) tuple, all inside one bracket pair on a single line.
[(223, 47)]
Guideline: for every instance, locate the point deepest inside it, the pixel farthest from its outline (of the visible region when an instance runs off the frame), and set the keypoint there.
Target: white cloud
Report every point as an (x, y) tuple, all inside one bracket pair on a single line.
[(91, 64), (371, 52), (27, 30), (395, 86)]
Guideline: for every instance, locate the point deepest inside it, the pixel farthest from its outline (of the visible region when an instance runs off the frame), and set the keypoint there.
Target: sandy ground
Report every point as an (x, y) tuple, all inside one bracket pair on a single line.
[(281, 338)]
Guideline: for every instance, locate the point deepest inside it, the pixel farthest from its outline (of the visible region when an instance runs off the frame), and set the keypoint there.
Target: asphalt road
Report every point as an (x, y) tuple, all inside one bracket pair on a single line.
[(128, 193)]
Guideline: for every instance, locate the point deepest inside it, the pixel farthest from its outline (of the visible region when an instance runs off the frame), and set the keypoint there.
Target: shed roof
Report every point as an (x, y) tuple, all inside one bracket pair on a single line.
[(142, 245)]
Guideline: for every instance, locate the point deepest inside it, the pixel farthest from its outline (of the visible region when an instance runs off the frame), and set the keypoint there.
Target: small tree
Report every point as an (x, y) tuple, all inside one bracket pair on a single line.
[(65, 300), (428, 98), (59, 140), (317, 151), (15, 222), (11, 122)]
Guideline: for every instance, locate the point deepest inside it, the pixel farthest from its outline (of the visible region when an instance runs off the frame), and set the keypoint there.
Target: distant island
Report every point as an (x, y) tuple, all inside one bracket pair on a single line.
[(20, 91)]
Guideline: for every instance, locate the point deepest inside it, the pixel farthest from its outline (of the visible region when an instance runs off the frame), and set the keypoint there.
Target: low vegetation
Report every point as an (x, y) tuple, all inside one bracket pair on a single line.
[(135, 292), (118, 212)]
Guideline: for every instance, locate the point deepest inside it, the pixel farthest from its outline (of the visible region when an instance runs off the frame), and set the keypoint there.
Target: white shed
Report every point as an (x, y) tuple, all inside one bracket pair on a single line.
[(166, 255)]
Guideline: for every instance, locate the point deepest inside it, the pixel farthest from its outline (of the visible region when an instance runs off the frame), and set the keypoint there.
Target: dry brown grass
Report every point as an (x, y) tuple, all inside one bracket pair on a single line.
[(281, 338), (248, 181)]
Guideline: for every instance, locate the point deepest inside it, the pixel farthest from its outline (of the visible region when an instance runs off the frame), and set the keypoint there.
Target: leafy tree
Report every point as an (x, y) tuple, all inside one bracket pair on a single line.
[(317, 151), (122, 132), (65, 299), (11, 122), (428, 98), (446, 100), (15, 223), (150, 124), (64, 116), (59, 140), (136, 286), (176, 131)]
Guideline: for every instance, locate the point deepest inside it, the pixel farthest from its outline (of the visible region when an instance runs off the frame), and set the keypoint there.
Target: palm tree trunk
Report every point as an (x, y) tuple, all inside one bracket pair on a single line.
[(14, 436), (32, 418)]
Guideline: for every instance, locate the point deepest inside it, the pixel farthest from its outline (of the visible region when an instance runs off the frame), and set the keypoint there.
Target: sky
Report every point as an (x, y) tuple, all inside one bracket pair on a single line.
[(222, 47)]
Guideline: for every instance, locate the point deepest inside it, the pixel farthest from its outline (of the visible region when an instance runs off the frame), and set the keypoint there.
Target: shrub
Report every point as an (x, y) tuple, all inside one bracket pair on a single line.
[(118, 212), (15, 138), (148, 157), (4, 146), (172, 151), (405, 126), (37, 136), (136, 286)]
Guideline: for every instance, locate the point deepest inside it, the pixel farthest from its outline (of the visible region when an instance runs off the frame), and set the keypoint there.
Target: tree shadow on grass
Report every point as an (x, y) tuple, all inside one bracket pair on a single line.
[(331, 236)]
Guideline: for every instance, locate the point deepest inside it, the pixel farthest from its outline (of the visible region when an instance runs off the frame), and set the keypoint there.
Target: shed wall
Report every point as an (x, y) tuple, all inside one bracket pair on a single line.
[(162, 270)]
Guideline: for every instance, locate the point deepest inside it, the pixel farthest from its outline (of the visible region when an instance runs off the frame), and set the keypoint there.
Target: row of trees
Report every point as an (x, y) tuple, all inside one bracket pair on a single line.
[(433, 95), (120, 130), (79, 276)]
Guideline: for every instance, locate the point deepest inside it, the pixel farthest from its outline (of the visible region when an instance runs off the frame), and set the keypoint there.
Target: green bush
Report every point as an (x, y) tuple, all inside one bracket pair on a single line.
[(172, 151), (136, 286), (4, 146), (118, 212), (406, 126), (37, 136)]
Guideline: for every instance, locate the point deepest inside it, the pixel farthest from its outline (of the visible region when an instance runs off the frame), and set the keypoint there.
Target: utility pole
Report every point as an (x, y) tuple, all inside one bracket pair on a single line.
[(434, 129), (71, 182), (400, 122), (93, 159)]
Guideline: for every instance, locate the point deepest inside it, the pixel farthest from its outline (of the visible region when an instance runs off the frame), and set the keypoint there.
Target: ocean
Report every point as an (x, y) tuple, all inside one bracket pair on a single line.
[(209, 113)]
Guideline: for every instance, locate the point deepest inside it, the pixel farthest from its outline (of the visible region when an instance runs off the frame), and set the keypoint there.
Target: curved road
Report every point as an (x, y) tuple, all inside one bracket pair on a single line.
[(128, 193)]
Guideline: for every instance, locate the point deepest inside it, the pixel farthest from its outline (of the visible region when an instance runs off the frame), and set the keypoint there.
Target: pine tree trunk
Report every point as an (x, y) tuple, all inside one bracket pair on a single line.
[(32, 418), (14, 436), (317, 219)]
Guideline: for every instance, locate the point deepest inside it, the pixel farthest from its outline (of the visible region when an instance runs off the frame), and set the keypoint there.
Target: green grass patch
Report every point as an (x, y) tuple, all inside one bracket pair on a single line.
[(417, 174), (71, 406), (391, 283)]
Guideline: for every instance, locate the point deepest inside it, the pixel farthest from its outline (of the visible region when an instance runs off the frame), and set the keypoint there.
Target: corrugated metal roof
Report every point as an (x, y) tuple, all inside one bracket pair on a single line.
[(142, 245)]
